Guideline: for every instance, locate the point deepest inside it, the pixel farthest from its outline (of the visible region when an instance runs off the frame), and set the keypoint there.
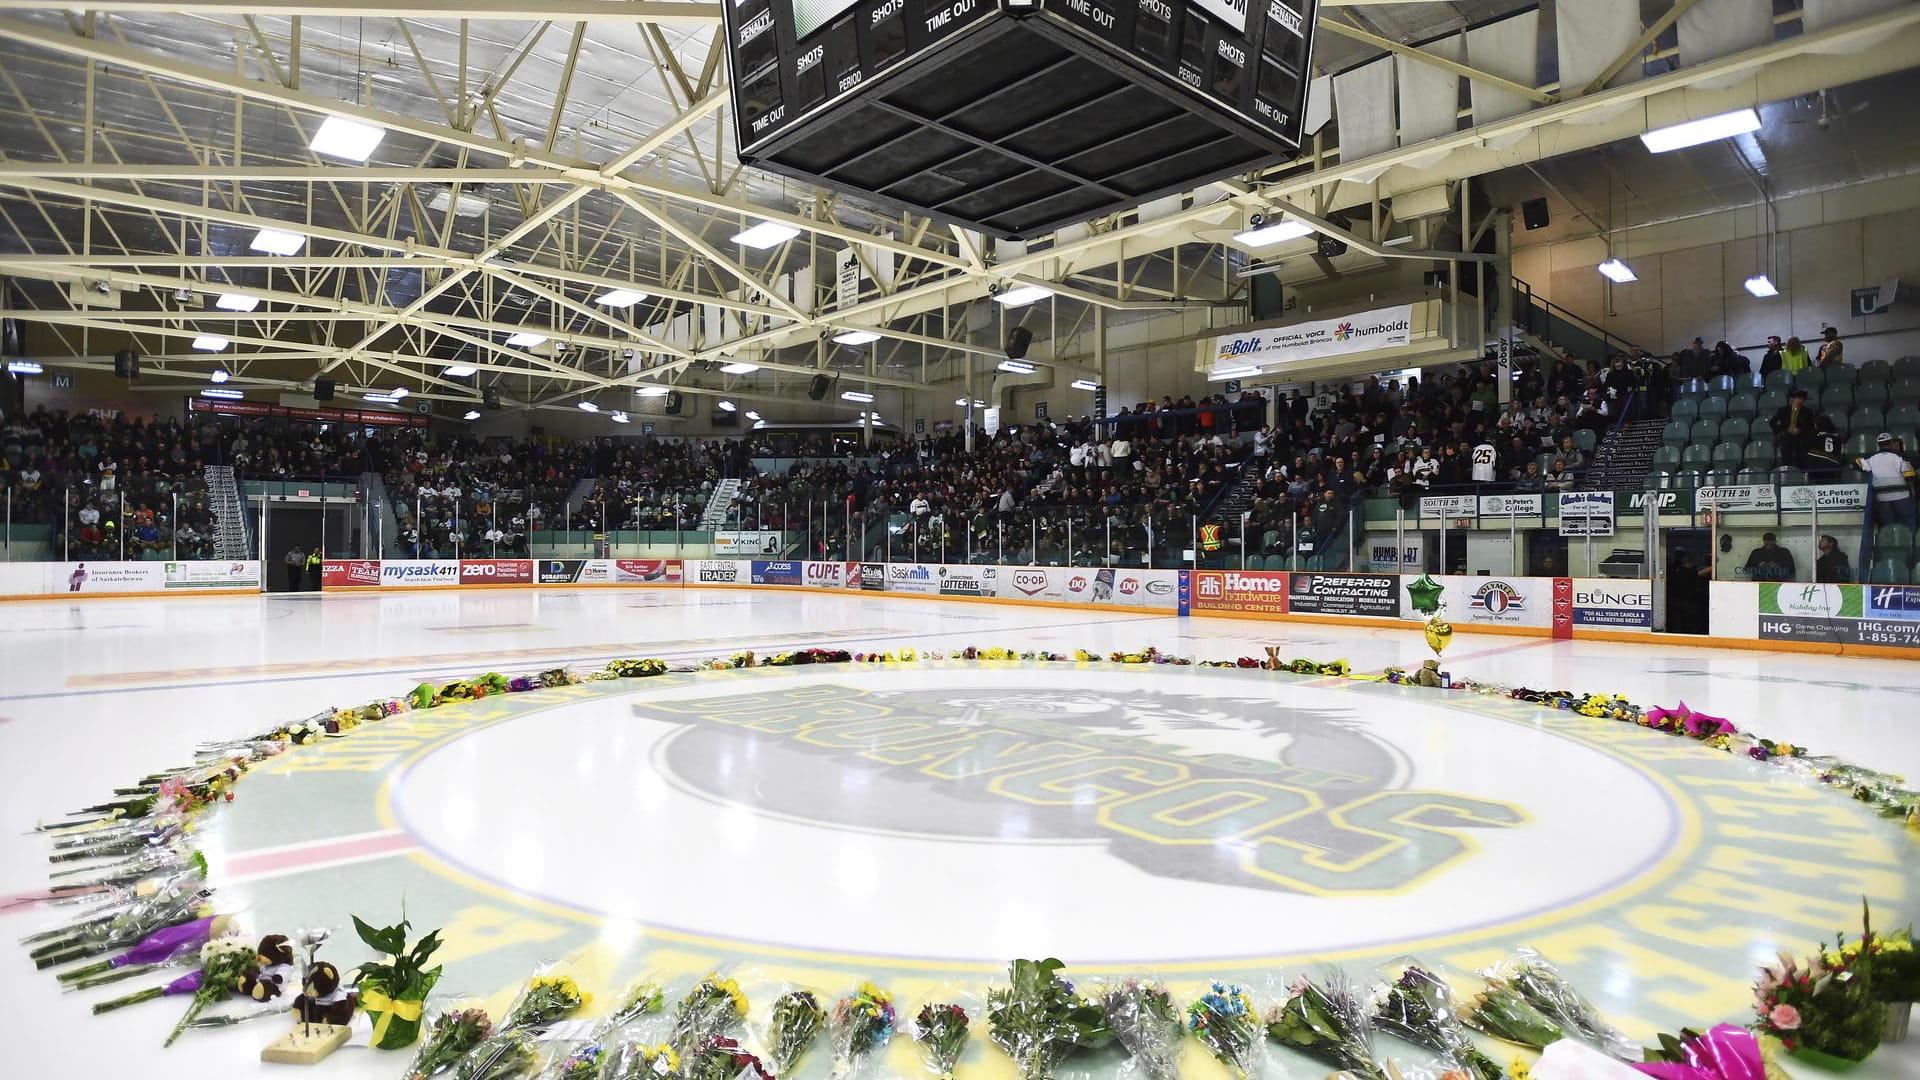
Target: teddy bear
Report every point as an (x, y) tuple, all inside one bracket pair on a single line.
[(1428, 675), (275, 957), (323, 1000)]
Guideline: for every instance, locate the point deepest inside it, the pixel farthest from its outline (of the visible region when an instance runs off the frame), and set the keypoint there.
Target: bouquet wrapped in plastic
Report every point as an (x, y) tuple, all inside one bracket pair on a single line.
[(1039, 1020), (546, 997), (162, 948), (1146, 1021), (1326, 1023), (643, 997), (715, 1006), (1723, 1053), (1501, 1012), (793, 1024), (223, 963), (1225, 1021), (1417, 1005), (449, 1038), (587, 1061), (637, 1059), (512, 1055), (941, 1030), (717, 1057), (862, 1025), (1534, 978)]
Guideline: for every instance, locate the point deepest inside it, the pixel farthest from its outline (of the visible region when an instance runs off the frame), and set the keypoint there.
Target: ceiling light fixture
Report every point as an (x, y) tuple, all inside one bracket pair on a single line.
[(1084, 384), (1022, 295), (398, 392), (1232, 373), (751, 415), (1016, 367), (377, 398), (856, 337), (278, 242), (621, 298), (464, 206), (458, 371), (1269, 235), (1705, 130), (977, 403), (210, 343), (619, 418), (765, 235), (739, 369), (653, 391), (234, 301), (1762, 286), (725, 406), (472, 414), (588, 406), (349, 139), (1617, 272), (229, 395), (218, 375), (23, 367), (527, 340), (856, 395)]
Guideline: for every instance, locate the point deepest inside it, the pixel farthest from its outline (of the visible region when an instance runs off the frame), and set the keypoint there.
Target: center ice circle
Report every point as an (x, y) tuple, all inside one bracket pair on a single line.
[(966, 814)]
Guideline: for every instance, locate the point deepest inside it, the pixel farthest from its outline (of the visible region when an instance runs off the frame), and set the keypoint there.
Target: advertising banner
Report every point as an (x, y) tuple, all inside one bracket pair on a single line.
[(1824, 497), (1146, 588), (1372, 595), (967, 580), (1255, 591), (740, 545), (913, 578), (416, 574), (1383, 557), (1736, 497), (719, 572), (1562, 607), (1498, 601), (493, 572), (1362, 332), (350, 574), (777, 573), (873, 576), (1838, 614), (1586, 513), (641, 571), (826, 575), (1612, 604), (1532, 505), (1447, 506), (232, 574), (559, 571)]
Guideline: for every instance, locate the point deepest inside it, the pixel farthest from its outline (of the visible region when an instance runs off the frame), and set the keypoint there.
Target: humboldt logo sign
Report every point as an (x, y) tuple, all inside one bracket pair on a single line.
[(1383, 329), (953, 762)]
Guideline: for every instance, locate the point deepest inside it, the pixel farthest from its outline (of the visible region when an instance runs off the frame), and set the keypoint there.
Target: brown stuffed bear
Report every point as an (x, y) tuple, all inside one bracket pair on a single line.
[(275, 957), (323, 1000), (1428, 675)]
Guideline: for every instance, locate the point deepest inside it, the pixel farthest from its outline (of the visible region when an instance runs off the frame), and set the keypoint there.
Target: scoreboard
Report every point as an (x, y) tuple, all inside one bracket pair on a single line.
[(1017, 116)]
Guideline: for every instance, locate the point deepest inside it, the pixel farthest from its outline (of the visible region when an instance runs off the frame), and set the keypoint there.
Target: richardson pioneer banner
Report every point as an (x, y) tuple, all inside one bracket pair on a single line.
[(777, 573), (496, 572), (1612, 604), (350, 574), (1372, 595), (1256, 591), (416, 574), (826, 575), (1363, 332)]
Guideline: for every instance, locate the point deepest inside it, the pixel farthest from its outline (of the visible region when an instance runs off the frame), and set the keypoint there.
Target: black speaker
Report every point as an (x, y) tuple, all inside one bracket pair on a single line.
[(126, 364), (1331, 247), (673, 403), (817, 388), (323, 389), (490, 398), (1534, 213), (1018, 339)]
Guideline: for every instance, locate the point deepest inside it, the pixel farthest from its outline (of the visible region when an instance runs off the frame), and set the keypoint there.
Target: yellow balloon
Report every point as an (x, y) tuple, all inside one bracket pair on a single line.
[(1439, 634)]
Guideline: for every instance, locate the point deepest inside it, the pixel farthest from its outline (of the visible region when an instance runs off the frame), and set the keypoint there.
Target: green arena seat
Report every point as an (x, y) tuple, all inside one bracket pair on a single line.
[(1739, 429)]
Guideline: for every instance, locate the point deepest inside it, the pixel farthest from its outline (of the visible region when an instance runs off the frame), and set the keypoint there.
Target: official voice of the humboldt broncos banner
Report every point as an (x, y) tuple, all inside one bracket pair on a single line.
[(1362, 332)]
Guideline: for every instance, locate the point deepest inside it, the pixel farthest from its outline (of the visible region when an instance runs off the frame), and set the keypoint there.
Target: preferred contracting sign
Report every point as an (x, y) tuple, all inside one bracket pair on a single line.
[(1363, 332)]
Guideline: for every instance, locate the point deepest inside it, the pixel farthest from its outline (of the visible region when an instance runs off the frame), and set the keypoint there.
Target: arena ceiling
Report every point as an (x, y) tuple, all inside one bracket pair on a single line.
[(537, 156)]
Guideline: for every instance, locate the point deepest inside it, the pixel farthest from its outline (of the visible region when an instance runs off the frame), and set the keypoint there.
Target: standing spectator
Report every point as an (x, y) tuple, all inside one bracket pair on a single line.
[(1770, 561), (1486, 463), (1794, 358), (1792, 426), (1771, 362), (313, 569), (1892, 478), (1693, 362), (1832, 565), (1832, 353), (296, 561)]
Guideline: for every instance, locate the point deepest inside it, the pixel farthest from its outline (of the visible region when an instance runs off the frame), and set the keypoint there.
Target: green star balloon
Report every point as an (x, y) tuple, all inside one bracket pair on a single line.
[(1425, 594)]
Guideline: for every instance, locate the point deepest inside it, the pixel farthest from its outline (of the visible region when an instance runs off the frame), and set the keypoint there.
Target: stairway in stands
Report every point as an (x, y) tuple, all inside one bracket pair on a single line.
[(229, 514), (715, 515), (1626, 456), (1233, 501)]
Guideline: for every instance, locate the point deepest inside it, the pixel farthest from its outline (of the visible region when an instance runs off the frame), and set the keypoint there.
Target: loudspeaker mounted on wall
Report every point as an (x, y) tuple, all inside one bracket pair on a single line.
[(1534, 213), (490, 397), (323, 389), (1018, 339), (673, 403), (817, 387), (1331, 247), (126, 364)]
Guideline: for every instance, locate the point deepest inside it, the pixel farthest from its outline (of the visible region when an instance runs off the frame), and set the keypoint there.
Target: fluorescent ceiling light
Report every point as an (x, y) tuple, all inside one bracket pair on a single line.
[(209, 343), (398, 392), (653, 391), (619, 418), (856, 337), (1016, 367), (458, 371), (219, 375), (765, 235), (1761, 286), (472, 414), (465, 206), (527, 340), (1022, 295), (349, 139), (725, 406), (23, 367), (278, 242), (380, 399), (1084, 384), (855, 395), (977, 403), (230, 395), (1232, 373), (1705, 130), (234, 301), (620, 297), (1269, 235), (751, 415), (588, 406), (1616, 271), (739, 369)]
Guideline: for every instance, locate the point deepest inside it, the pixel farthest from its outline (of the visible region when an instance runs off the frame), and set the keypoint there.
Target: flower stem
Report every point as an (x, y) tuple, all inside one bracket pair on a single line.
[(131, 999)]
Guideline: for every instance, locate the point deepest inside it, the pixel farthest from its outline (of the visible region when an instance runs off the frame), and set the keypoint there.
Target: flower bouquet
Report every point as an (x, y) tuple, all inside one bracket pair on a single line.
[(513, 1055), (394, 991), (543, 1000), (1227, 1024), (941, 1028), (862, 1024), (1724, 1053), (717, 1057), (1038, 1019), (1827, 1008), (796, 1021), (1535, 978), (453, 1034), (1147, 1022), (586, 1062), (223, 963), (1501, 1012), (180, 903), (636, 1060), (1327, 1024), (1418, 1006), (642, 998), (162, 948), (715, 1006)]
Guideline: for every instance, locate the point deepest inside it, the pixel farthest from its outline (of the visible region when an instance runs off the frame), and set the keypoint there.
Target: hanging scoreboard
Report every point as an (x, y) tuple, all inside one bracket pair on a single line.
[(1017, 117)]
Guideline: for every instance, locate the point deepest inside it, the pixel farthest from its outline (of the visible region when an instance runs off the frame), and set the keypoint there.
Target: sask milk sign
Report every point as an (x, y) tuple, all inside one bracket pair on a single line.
[(1364, 332)]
